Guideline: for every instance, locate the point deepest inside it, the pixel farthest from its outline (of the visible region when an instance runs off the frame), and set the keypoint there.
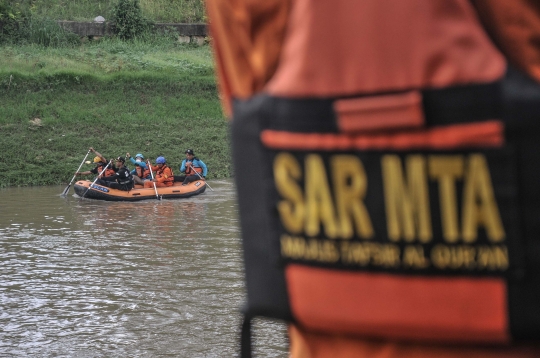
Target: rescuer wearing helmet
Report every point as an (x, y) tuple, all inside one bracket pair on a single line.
[(193, 167), (100, 163), (163, 174), (122, 178), (141, 171)]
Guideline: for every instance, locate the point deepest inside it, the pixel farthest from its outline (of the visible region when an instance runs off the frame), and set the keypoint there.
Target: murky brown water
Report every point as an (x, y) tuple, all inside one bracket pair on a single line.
[(86, 278)]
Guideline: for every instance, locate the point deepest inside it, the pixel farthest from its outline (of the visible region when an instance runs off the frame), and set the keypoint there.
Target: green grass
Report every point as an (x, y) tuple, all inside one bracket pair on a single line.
[(154, 97), (176, 11)]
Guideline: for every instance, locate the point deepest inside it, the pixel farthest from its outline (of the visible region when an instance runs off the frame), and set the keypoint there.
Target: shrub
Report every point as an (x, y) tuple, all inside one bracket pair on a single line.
[(11, 16), (46, 32), (128, 19), (19, 26)]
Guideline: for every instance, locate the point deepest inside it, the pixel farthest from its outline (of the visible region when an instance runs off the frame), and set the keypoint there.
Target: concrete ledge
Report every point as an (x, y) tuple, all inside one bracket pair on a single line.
[(104, 28), (184, 29), (88, 28)]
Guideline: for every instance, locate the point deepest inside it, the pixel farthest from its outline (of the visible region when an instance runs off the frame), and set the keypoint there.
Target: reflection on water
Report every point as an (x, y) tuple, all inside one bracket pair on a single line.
[(87, 278)]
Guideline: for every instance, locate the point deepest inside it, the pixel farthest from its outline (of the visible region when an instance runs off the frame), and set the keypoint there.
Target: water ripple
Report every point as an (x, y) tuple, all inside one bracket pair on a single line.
[(87, 278)]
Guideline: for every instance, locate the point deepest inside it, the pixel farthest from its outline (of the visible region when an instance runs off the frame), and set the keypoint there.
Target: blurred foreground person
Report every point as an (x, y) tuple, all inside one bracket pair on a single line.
[(389, 204)]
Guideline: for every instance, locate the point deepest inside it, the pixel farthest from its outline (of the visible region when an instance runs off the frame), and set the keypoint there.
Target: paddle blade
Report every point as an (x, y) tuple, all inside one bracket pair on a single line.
[(64, 193)]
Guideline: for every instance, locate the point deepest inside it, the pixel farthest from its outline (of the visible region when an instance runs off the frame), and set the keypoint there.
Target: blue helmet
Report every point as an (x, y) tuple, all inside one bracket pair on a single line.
[(160, 160), (139, 155)]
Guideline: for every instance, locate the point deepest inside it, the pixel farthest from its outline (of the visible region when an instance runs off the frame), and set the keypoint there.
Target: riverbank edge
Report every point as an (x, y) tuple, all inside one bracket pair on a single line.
[(105, 28), (49, 121)]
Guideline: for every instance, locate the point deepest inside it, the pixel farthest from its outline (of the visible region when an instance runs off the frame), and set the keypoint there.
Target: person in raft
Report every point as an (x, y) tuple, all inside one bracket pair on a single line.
[(193, 167), (122, 178), (100, 163), (163, 174), (141, 171)]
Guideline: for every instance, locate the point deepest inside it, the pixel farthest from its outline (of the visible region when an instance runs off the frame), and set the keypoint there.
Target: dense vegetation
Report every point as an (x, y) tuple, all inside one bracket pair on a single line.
[(174, 11), (61, 95)]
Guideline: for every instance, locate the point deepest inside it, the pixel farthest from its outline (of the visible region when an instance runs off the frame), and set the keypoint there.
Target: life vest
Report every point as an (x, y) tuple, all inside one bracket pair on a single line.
[(142, 173), (166, 173), (108, 172), (124, 177), (191, 168), (392, 190)]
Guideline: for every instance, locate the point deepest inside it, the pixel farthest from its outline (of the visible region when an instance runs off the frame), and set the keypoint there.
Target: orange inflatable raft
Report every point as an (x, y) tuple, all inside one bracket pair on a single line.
[(86, 189)]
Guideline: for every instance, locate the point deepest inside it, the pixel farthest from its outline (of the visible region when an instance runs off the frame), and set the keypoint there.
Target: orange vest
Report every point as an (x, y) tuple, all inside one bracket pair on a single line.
[(142, 173), (108, 172), (164, 174), (399, 214), (190, 169)]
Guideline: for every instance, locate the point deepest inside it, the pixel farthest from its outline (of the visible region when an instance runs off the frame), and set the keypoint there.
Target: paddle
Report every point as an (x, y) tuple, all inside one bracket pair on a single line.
[(152, 176), (109, 163), (64, 193), (201, 177)]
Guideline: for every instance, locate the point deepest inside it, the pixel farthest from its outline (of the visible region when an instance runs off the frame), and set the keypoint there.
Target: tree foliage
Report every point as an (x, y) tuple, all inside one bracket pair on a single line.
[(11, 16), (128, 19)]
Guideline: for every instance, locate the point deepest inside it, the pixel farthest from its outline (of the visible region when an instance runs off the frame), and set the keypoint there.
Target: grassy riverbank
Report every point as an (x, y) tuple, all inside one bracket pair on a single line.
[(175, 11), (156, 97)]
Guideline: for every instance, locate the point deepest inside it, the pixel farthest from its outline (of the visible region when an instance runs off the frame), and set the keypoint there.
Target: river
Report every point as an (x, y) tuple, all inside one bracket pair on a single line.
[(88, 278)]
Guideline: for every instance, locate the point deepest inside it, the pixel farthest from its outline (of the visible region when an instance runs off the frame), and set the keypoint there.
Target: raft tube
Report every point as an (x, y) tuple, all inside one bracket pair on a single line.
[(101, 192)]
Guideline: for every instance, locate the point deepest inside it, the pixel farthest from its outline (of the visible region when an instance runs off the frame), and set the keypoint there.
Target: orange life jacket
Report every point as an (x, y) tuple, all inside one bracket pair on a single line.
[(190, 169), (108, 172), (164, 174), (390, 196), (142, 173)]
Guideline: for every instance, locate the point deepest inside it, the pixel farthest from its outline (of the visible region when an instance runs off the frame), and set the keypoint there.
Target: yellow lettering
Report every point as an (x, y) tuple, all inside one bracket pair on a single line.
[(407, 205), (363, 254), (355, 254), (292, 247), (446, 169), (330, 253), (319, 205), (287, 173), (350, 185), (440, 256), (479, 205), (501, 257), (378, 254), (470, 257), (312, 250), (413, 256), (391, 255), (492, 258)]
